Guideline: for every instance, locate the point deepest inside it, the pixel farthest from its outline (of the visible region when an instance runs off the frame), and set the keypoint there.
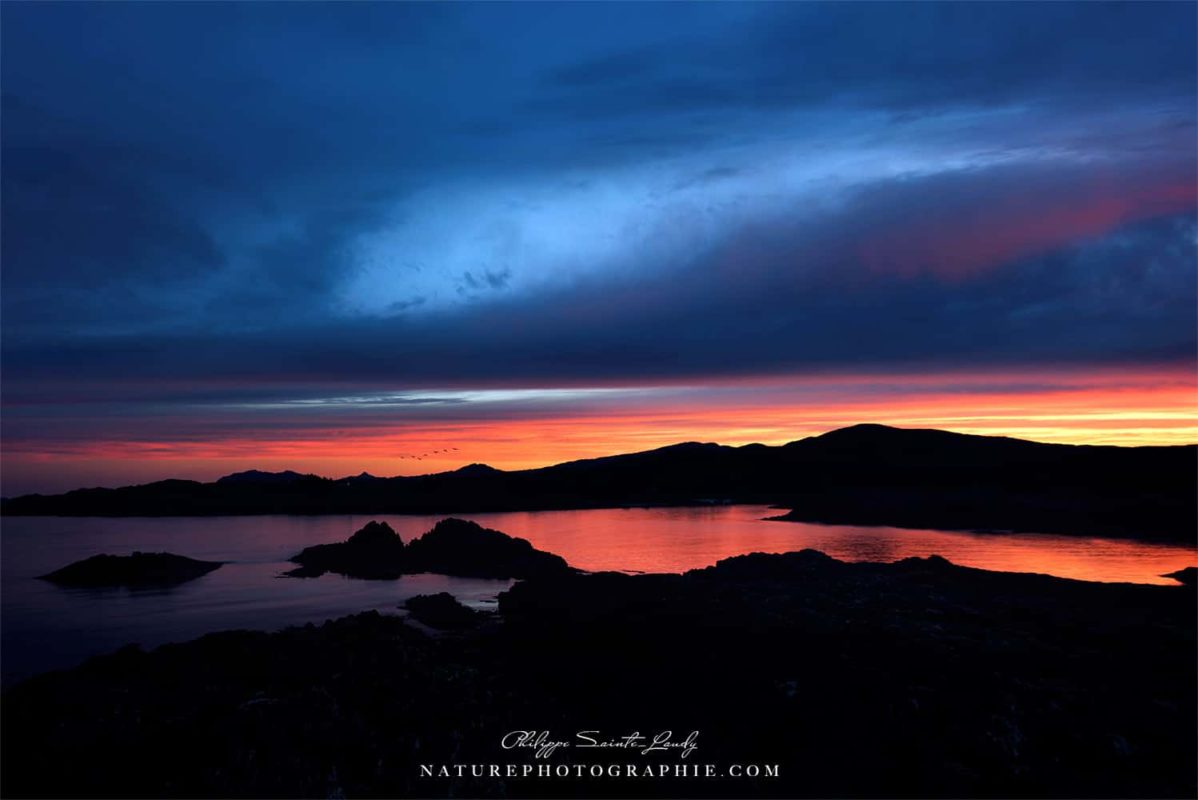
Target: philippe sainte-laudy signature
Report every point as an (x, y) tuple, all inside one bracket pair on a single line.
[(544, 743)]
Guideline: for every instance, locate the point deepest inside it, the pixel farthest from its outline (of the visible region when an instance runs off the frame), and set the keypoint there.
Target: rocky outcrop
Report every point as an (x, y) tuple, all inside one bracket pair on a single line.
[(459, 547), (441, 611), (137, 570), (453, 547), (373, 552)]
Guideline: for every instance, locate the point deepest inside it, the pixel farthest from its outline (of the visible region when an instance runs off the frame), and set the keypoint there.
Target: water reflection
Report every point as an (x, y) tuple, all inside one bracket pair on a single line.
[(46, 626)]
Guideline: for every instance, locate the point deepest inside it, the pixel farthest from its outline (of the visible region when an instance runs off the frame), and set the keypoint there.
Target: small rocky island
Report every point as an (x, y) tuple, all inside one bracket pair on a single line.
[(139, 570), (453, 547)]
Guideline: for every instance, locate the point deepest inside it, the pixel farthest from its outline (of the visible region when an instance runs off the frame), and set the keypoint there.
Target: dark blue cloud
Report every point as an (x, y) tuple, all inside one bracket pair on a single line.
[(909, 57), (414, 194), (1123, 298)]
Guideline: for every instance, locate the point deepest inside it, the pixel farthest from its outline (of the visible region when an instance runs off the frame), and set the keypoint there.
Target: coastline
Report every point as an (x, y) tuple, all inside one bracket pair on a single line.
[(857, 678), (864, 475)]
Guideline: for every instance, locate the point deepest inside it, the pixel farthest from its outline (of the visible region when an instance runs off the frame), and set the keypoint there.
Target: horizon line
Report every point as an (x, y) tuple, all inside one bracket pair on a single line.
[(609, 455)]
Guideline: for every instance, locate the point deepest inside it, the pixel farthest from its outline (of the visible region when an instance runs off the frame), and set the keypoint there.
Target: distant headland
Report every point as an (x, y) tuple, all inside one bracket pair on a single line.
[(864, 475)]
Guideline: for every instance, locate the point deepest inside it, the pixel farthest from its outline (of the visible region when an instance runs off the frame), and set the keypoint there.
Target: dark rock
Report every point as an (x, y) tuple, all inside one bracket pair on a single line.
[(452, 547), (915, 679), (375, 553), (1187, 576), (459, 547), (761, 565), (442, 611), (375, 534), (137, 570)]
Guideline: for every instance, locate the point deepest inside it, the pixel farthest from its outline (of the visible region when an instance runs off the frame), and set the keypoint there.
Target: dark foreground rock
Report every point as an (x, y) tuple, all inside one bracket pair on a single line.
[(918, 679), (452, 547), (442, 611), (140, 570)]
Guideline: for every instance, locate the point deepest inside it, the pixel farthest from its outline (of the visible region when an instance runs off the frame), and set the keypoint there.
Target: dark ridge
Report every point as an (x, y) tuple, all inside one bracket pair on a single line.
[(1187, 576), (139, 570), (360, 477), (475, 470), (258, 476), (864, 475)]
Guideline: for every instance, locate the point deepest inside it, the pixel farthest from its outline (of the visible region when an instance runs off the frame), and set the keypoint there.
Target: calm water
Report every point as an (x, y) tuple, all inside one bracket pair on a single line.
[(44, 626)]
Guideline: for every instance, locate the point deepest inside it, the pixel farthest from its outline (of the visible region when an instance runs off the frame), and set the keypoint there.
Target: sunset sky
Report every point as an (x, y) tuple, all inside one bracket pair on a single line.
[(338, 237)]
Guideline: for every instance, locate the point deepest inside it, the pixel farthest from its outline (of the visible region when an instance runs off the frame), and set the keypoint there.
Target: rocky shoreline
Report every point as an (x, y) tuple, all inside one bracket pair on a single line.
[(913, 678)]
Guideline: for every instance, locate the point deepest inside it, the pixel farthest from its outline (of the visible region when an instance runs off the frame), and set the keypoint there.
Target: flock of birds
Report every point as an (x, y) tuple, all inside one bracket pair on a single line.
[(423, 456)]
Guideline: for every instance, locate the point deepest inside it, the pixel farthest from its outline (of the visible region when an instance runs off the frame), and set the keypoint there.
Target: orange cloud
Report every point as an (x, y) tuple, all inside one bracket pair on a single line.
[(1114, 407)]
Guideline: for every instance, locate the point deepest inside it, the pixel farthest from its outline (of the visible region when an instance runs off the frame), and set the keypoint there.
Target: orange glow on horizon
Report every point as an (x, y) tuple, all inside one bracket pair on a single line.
[(1121, 409)]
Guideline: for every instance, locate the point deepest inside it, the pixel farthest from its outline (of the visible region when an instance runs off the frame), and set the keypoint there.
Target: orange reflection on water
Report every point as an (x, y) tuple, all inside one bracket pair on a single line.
[(679, 539), (623, 539)]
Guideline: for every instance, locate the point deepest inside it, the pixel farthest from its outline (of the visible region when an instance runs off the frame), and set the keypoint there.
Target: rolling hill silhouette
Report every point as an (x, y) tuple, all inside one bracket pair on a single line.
[(865, 474)]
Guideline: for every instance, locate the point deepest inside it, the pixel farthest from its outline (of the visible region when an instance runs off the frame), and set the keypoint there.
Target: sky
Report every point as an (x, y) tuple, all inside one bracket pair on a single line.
[(402, 238)]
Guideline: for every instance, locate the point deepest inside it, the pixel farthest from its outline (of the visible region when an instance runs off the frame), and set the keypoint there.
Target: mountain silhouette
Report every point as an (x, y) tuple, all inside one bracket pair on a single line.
[(258, 476), (864, 474)]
